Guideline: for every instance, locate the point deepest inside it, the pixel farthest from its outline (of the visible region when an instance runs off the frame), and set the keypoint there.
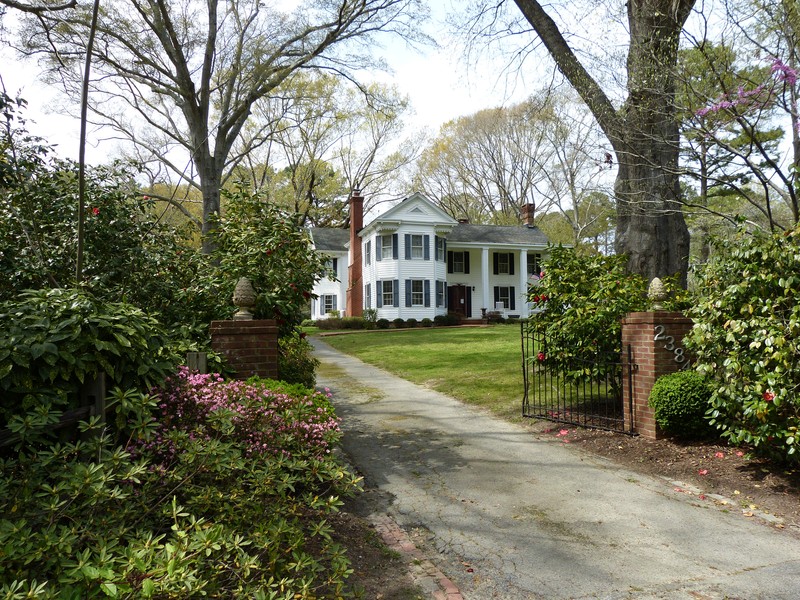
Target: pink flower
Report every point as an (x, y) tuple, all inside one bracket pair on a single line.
[(719, 455), (95, 211), (703, 472), (541, 356), (768, 396)]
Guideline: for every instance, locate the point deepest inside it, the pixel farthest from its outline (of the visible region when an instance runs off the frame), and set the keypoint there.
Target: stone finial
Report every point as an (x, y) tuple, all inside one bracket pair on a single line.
[(244, 298), (657, 293)]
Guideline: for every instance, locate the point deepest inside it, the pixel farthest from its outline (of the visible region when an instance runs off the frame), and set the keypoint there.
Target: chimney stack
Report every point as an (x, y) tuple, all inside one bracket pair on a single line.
[(355, 288), (526, 213)]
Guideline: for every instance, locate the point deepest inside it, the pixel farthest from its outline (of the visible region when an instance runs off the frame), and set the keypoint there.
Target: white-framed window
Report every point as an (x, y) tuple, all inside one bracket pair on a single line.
[(332, 265), (368, 253), (503, 264), (417, 245), (388, 295), (328, 303), (417, 292), (458, 262), (440, 248), (534, 265), (386, 247), (505, 294), (441, 290)]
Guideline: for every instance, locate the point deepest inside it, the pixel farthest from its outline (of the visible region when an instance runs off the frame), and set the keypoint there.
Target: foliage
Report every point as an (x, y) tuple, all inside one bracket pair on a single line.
[(295, 361), (411, 322), (226, 495), (256, 240), (398, 323), (370, 315), (54, 340), (746, 335), (426, 322), (382, 323), (582, 300), (680, 402)]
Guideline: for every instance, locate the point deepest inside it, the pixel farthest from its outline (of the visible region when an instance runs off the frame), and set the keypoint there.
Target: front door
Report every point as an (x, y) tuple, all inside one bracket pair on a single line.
[(459, 300)]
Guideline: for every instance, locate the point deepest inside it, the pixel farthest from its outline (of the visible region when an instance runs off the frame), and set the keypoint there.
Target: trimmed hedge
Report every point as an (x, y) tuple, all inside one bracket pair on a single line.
[(680, 401)]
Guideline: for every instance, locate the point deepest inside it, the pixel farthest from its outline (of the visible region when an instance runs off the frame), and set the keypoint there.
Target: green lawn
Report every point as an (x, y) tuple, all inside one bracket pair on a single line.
[(478, 365)]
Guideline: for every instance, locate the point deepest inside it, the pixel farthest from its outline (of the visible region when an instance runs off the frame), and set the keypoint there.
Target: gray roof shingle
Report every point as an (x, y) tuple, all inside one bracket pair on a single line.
[(327, 239), (496, 234)]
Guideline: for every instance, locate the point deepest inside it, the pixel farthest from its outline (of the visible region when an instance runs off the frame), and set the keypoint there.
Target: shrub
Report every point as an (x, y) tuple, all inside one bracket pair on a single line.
[(680, 402), (371, 315), (227, 497), (746, 334), (354, 323), (330, 323), (426, 322), (399, 323), (54, 340), (494, 316), (383, 323), (412, 322), (440, 320), (295, 361)]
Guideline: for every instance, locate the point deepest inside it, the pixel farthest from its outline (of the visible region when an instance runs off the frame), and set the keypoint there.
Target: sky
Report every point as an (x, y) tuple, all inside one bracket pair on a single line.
[(439, 84)]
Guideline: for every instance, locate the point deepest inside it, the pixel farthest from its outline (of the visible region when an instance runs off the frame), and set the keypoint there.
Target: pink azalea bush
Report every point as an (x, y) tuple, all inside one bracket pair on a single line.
[(261, 421)]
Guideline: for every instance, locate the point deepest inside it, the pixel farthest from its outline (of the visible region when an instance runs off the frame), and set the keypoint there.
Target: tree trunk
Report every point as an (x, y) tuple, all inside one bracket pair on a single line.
[(651, 229)]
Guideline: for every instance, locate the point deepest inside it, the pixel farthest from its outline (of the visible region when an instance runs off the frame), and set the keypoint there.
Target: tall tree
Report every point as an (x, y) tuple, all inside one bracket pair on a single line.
[(643, 131), (185, 73), (486, 166)]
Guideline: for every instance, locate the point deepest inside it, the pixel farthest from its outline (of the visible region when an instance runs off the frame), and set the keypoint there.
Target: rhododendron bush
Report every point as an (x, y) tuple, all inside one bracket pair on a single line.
[(218, 489), (746, 335)]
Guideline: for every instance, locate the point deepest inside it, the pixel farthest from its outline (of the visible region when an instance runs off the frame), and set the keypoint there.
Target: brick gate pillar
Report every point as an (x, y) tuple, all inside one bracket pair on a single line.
[(656, 342), (251, 347)]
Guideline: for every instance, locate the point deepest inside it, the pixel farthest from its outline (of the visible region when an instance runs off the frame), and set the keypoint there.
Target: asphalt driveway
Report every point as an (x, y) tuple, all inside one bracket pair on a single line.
[(511, 515)]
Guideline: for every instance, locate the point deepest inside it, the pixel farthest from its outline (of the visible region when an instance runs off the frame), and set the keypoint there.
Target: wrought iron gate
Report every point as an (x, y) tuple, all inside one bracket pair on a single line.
[(585, 392)]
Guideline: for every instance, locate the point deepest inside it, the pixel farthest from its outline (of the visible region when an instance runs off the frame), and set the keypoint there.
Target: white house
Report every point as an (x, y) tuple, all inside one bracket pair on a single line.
[(416, 261)]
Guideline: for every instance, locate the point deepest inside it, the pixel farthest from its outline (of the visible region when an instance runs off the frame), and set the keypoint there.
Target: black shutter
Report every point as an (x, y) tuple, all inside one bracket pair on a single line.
[(449, 262), (511, 266), (496, 262), (334, 303), (408, 246), (444, 249), (511, 299), (408, 292), (378, 294), (378, 247), (466, 262), (427, 285), (426, 245), (394, 246), (396, 290), (496, 296)]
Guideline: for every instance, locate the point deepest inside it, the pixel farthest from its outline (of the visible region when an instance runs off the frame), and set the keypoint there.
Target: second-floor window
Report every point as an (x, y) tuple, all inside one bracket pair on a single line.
[(386, 246), (503, 263), (417, 247), (458, 262)]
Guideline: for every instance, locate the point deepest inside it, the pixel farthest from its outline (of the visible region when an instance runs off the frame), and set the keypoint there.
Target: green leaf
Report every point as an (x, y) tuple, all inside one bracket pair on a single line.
[(110, 589)]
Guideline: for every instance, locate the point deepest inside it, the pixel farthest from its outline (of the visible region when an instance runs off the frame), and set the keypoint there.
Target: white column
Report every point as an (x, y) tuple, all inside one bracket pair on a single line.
[(487, 302), (522, 296)]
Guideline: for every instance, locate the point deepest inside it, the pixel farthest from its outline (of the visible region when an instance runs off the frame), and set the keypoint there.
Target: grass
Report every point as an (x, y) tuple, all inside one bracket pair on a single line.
[(477, 365)]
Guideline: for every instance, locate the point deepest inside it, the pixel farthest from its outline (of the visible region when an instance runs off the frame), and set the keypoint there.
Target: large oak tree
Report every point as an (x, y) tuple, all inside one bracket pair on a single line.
[(643, 131)]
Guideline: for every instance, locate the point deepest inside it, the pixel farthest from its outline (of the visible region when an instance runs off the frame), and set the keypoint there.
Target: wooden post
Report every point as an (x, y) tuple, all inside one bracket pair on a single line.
[(197, 361)]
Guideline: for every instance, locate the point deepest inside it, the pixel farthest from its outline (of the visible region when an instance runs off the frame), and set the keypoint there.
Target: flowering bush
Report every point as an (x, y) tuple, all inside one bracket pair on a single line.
[(226, 497), (261, 421), (582, 300), (747, 335)]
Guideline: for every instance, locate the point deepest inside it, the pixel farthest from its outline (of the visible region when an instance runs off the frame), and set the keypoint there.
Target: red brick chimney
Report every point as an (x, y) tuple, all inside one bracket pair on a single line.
[(526, 213), (355, 286)]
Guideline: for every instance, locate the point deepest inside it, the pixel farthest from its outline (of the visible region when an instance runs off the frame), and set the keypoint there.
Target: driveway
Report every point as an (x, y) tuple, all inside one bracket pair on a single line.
[(510, 515)]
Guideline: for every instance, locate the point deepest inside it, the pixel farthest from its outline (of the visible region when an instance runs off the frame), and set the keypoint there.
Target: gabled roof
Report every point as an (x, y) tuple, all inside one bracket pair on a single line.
[(328, 239), (465, 233), (414, 209)]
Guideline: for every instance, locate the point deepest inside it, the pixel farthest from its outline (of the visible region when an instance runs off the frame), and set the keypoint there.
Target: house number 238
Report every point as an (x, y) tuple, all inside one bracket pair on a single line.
[(669, 344)]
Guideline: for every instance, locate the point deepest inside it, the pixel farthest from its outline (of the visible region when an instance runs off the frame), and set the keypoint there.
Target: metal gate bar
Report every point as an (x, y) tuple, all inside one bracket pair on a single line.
[(586, 393)]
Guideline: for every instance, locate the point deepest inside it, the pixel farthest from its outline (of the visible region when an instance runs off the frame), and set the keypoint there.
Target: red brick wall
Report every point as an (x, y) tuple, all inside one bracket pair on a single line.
[(251, 347), (651, 359)]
